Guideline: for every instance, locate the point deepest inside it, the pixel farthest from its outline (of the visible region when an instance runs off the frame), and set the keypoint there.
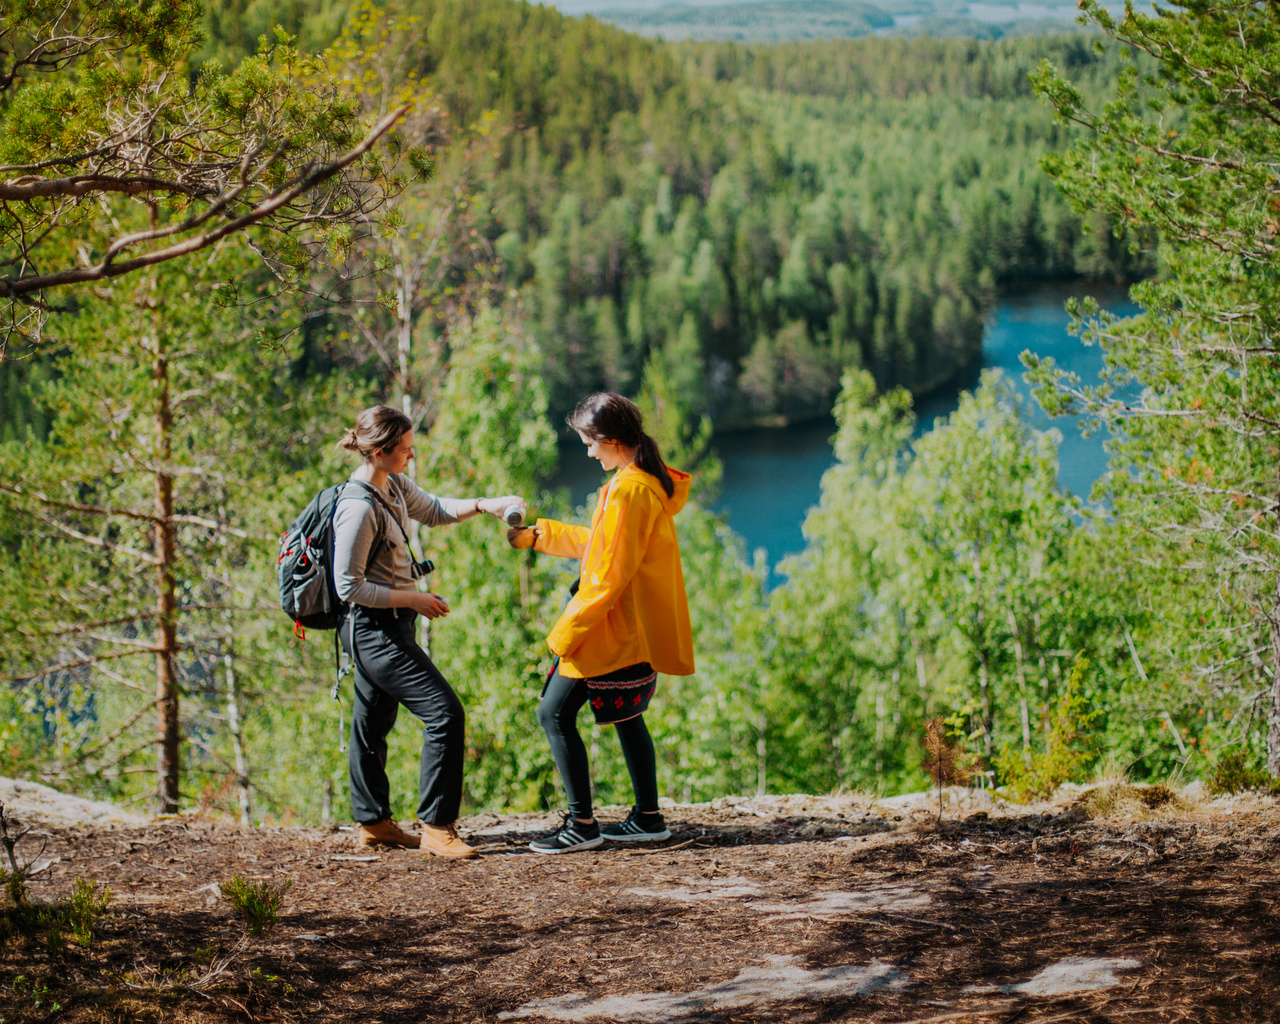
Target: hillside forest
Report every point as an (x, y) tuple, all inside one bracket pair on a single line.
[(482, 211)]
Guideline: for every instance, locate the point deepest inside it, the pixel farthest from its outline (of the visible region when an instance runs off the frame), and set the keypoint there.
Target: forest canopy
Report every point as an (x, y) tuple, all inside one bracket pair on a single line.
[(749, 221)]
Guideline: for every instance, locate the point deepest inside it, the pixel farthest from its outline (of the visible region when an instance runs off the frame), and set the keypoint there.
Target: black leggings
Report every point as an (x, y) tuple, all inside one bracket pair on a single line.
[(561, 701)]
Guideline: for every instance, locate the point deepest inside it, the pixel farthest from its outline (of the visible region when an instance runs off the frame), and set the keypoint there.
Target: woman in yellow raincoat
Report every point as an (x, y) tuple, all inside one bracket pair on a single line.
[(627, 621)]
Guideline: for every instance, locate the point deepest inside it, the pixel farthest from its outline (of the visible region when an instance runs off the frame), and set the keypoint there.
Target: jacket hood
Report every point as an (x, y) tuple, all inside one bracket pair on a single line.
[(679, 496)]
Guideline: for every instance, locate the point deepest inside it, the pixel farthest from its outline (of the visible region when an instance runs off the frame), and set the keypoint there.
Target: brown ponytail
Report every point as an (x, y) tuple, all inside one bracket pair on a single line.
[(606, 416), (378, 428)]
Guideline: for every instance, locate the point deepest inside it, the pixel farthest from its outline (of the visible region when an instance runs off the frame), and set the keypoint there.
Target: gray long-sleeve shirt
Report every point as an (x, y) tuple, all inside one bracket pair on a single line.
[(369, 581)]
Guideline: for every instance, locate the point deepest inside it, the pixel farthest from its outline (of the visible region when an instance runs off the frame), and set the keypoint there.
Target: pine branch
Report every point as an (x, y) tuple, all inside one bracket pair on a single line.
[(17, 288)]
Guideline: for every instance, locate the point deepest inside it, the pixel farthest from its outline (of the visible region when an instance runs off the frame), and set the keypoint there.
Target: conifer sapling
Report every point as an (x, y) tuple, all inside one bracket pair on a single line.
[(947, 763)]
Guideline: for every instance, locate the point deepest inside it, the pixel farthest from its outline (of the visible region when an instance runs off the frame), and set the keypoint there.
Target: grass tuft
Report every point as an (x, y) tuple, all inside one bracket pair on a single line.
[(257, 902), (1118, 798)]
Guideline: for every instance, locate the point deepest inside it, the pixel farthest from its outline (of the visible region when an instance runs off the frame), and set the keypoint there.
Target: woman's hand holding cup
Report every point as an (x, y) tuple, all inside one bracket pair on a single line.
[(510, 508), (523, 537)]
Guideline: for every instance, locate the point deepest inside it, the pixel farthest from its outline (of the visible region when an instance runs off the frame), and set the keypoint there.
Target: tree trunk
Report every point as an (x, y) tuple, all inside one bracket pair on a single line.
[(404, 348), (228, 662), (1273, 723), (168, 765), (237, 741), (1022, 688), (988, 715), (879, 737), (984, 676), (1273, 716), (762, 781)]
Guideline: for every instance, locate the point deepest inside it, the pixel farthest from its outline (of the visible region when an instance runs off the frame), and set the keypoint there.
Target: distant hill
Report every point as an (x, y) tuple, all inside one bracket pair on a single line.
[(795, 20), (754, 22)]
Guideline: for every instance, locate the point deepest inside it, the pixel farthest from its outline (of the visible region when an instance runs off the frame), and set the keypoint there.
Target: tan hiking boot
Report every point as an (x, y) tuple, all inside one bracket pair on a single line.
[(385, 833), (444, 841)]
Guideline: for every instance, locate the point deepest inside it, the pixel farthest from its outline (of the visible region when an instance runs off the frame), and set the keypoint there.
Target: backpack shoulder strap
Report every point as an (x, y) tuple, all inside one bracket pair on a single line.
[(371, 495)]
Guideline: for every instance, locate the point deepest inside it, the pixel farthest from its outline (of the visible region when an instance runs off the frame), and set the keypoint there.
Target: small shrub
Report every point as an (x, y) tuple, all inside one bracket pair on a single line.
[(15, 888), (1155, 796), (257, 902), (16, 912), (85, 909), (37, 992), (1234, 774), (78, 916), (1065, 756)]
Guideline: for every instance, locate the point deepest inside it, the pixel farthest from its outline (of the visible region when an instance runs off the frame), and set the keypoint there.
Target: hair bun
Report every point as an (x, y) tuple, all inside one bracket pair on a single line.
[(379, 427), (350, 441)]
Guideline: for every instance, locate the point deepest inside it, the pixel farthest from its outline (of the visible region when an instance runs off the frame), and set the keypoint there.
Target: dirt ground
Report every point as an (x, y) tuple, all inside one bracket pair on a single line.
[(797, 909)]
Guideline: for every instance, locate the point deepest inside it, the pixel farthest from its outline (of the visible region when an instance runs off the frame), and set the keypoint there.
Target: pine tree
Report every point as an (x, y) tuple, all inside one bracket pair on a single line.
[(122, 156), (149, 514), (1186, 151)]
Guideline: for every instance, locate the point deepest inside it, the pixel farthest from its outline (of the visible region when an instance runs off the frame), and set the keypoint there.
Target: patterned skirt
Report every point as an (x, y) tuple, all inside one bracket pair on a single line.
[(622, 694)]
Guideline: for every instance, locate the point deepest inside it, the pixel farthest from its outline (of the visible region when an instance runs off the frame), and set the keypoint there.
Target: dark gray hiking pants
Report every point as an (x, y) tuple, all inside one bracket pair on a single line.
[(390, 670)]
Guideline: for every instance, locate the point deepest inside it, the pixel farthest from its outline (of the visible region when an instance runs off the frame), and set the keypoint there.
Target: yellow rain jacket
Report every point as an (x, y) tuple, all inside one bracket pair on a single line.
[(631, 605)]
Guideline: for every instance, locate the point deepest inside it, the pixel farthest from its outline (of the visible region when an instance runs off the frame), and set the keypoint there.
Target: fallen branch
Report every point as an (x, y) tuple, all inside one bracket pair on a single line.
[(662, 849), (957, 1016)]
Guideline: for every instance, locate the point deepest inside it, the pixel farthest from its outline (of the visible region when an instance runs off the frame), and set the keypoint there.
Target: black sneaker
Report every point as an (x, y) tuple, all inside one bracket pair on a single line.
[(638, 828), (570, 837)]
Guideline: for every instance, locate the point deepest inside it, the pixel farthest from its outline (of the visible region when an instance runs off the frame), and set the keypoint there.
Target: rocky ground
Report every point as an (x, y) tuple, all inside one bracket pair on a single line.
[(1096, 908)]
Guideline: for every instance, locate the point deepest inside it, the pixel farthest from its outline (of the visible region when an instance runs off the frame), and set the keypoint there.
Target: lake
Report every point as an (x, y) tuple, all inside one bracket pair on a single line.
[(772, 477)]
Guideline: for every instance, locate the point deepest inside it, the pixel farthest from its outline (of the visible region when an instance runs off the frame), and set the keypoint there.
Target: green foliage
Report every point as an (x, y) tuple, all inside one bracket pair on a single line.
[(79, 915), (1236, 772), (15, 887), (37, 992), (683, 442), (1068, 751), (257, 902), (239, 445), (1185, 149), (798, 233), (934, 577), (104, 188), (757, 219)]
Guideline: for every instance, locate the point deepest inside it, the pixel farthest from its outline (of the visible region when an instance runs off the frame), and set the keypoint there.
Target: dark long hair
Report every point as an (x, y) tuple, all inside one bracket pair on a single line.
[(606, 416)]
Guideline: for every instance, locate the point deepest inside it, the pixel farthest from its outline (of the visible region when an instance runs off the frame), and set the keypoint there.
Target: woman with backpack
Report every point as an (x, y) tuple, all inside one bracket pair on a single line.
[(627, 620), (375, 574)]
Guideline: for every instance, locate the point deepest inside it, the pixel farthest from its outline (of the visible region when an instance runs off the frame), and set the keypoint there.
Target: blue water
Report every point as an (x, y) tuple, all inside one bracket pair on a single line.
[(772, 477)]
